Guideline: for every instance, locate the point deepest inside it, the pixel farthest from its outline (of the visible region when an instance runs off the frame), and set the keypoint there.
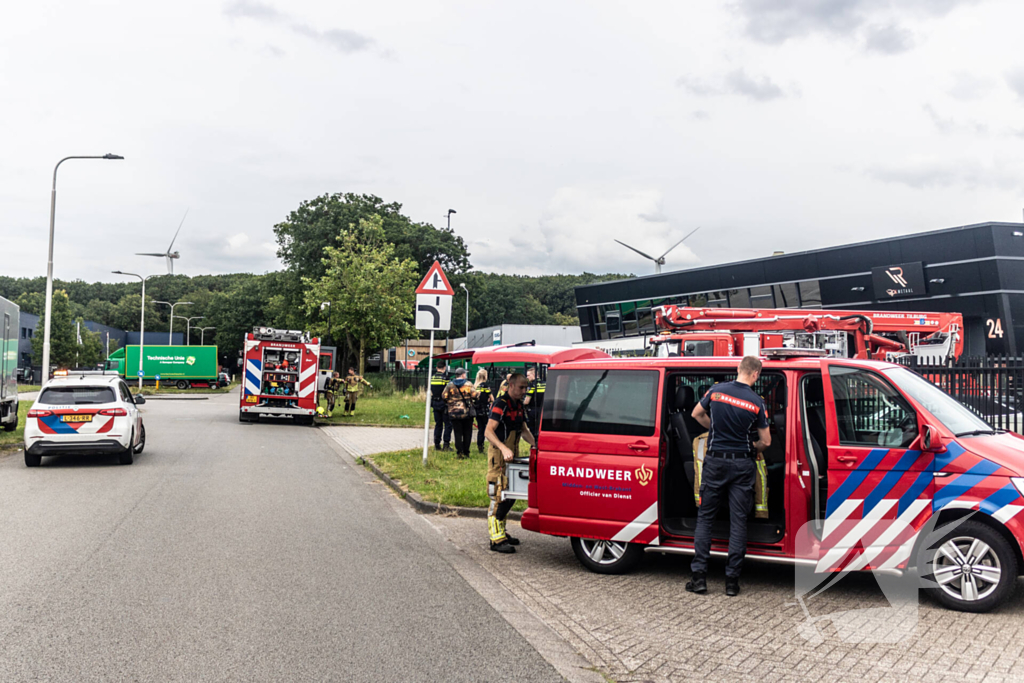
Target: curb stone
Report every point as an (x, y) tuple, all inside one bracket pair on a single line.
[(416, 501)]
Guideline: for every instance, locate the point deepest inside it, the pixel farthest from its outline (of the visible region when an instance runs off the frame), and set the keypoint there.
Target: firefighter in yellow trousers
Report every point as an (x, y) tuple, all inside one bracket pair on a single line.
[(352, 388), (505, 427)]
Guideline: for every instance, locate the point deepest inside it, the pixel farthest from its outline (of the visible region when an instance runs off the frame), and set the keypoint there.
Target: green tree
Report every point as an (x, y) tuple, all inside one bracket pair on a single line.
[(100, 311), (371, 290), (319, 222), (128, 311), (32, 302), (90, 351), (63, 344)]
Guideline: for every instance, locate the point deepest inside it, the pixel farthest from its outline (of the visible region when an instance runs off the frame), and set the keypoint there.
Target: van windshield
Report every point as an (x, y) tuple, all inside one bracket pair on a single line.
[(953, 414), (76, 396)]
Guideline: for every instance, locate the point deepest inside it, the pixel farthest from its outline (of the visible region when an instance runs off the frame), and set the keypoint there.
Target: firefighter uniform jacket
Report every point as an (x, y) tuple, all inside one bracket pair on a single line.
[(352, 383), (510, 416)]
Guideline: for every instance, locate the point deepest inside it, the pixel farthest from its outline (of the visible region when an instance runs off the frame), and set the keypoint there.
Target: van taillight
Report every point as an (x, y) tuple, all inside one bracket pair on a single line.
[(114, 412), (39, 413)]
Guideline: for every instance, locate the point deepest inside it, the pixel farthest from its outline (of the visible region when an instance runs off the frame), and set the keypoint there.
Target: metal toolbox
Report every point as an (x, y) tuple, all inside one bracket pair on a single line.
[(518, 472)]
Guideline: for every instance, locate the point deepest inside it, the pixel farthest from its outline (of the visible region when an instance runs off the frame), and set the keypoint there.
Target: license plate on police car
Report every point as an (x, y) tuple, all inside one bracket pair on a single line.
[(76, 418)]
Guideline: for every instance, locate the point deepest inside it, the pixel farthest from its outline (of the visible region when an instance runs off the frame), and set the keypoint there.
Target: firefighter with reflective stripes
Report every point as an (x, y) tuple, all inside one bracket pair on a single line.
[(700, 449), (331, 388), (353, 385), (534, 399), (438, 381), (729, 410), (505, 427)]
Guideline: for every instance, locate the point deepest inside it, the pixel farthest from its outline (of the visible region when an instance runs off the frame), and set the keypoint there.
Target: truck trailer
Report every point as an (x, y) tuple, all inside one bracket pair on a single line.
[(10, 323), (184, 366)]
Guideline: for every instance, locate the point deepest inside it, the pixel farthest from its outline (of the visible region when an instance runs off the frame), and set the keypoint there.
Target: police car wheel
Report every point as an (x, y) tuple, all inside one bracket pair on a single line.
[(33, 460), (970, 568), (142, 440), (606, 557), (126, 455)]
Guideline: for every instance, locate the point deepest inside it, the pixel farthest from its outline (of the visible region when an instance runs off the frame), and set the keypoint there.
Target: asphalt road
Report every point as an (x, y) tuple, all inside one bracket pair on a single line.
[(230, 552)]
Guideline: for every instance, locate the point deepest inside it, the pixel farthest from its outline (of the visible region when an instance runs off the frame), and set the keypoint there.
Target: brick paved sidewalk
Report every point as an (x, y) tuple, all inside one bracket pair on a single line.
[(360, 441), (644, 626)]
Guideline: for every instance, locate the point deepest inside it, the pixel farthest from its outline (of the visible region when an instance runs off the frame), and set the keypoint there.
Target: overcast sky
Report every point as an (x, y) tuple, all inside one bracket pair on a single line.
[(551, 127)]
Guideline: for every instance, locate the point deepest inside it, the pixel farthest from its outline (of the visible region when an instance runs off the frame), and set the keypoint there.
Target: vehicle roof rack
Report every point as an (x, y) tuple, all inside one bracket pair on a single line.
[(789, 352), (271, 334)]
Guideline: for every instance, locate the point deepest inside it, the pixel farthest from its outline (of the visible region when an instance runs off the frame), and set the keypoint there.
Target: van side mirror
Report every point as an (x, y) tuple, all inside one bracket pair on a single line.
[(930, 440)]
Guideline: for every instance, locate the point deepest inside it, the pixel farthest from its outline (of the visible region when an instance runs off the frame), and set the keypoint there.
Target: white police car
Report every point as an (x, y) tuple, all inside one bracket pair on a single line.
[(85, 414)]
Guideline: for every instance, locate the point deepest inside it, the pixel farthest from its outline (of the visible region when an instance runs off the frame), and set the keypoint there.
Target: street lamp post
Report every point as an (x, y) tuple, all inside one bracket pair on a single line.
[(329, 310), (463, 286), (142, 321), (202, 334), (170, 338), (450, 212), (188, 327), (49, 263)]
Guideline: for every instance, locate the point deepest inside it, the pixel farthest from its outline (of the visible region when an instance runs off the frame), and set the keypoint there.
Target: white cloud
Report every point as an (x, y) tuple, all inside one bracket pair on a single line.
[(576, 233)]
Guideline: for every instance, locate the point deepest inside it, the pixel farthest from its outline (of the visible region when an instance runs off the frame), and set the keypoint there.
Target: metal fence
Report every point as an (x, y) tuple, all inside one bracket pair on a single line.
[(991, 386), (403, 381)]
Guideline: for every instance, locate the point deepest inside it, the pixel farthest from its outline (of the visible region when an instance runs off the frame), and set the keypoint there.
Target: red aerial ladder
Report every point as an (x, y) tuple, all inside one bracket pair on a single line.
[(878, 335)]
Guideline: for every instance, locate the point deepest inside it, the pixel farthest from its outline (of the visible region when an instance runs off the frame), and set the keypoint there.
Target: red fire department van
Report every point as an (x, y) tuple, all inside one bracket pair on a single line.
[(863, 455), (280, 375)]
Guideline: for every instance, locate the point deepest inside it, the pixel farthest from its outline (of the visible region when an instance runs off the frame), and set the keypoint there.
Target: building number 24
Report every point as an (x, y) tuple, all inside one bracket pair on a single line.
[(995, 328)]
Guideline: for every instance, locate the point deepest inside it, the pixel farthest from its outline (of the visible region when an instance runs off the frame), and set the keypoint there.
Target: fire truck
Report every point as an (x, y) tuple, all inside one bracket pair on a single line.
[(868, 335), (280, 368)]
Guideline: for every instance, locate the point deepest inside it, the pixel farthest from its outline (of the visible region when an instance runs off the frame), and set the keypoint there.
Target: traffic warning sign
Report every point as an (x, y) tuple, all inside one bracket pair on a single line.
[(435, 282), (434, 301)]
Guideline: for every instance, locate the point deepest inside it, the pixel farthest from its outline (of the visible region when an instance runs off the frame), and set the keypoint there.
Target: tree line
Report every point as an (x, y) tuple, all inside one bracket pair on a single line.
[(351, 264)]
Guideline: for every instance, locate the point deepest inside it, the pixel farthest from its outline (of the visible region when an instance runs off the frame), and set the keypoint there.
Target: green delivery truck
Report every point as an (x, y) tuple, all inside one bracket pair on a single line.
[(184, 366)]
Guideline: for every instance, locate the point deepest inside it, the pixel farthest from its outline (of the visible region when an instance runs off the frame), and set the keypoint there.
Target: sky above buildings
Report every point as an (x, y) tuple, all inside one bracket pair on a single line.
[(552, 128)]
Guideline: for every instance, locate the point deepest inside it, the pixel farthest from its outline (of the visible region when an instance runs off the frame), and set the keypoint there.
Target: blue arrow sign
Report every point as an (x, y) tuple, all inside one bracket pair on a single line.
[(158, 378), (140, 373)]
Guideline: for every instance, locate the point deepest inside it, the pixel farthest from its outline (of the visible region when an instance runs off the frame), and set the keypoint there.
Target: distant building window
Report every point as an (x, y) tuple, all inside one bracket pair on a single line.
[(786, 296), (810, 294), (739, 298), (24, 333), (761, 297)]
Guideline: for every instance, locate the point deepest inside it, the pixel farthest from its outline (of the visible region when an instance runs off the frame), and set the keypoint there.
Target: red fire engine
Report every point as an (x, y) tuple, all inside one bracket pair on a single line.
[(878, 335), (280, 375)]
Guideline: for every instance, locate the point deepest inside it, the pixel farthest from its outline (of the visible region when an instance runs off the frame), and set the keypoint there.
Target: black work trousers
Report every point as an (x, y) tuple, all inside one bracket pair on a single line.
[(441, 422), (723, 479), (481, 430), (462, 428)]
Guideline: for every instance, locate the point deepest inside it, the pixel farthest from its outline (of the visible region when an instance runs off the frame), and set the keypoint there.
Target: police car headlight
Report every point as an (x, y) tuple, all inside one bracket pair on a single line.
[(1019, 483)]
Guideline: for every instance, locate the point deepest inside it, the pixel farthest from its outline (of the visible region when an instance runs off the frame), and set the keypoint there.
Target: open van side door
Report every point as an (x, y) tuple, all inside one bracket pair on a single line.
[(880, 485)]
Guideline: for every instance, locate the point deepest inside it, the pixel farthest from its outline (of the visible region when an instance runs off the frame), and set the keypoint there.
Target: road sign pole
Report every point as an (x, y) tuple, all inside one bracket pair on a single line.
[(426, 412)]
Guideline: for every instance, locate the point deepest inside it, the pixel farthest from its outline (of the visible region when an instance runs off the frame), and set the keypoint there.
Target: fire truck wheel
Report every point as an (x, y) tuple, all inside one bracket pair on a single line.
[(606, 557), (182, 384), (970, 568)]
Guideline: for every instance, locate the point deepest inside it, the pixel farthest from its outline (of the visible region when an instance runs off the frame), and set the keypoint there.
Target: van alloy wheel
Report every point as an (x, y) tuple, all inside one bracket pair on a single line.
[(603, 552), (606, 557), (966, 568), (970, 568)]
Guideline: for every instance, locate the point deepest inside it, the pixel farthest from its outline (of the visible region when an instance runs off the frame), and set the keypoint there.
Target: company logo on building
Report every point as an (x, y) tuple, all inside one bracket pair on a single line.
[(896, 275), (904, 279), (643, 475)]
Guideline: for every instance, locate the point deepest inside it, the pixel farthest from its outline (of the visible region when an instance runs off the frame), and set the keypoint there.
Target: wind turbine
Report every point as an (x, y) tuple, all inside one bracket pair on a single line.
[(660, 261), (170, 255)]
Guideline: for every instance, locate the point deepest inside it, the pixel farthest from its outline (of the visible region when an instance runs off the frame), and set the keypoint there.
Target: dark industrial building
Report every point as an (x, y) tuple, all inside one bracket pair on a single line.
[(976, 270)]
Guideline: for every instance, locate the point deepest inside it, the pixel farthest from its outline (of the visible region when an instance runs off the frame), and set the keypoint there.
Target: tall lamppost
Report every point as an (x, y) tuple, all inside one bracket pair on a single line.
[(202, 334), (327, 305), (450, 212), (170, 339), (188, 327), (463, 286), (142, 321), (49, 263)]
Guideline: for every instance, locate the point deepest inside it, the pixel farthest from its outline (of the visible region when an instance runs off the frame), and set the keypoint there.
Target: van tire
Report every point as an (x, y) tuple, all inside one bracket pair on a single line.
[(964, 537), (606, 563)]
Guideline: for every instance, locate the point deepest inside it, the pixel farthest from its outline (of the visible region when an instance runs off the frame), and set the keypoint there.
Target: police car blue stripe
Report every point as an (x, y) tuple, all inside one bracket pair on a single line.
[(54, 422)]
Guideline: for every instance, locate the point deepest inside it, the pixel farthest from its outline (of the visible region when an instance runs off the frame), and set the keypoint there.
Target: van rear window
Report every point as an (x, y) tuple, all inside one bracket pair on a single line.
[(617, 402), (76, 396)]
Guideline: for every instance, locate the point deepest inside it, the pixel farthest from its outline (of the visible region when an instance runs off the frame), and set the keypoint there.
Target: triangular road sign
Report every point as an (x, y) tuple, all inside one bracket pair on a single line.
[(435, 282)]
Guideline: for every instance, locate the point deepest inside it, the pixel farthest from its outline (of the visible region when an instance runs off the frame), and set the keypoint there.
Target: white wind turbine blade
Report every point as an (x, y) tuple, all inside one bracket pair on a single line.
[(679, 242), (637, 251), (177, 231)]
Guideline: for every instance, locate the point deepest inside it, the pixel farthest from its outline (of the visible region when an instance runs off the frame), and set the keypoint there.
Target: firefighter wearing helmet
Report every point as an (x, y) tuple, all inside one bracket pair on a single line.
[(504, 429)]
